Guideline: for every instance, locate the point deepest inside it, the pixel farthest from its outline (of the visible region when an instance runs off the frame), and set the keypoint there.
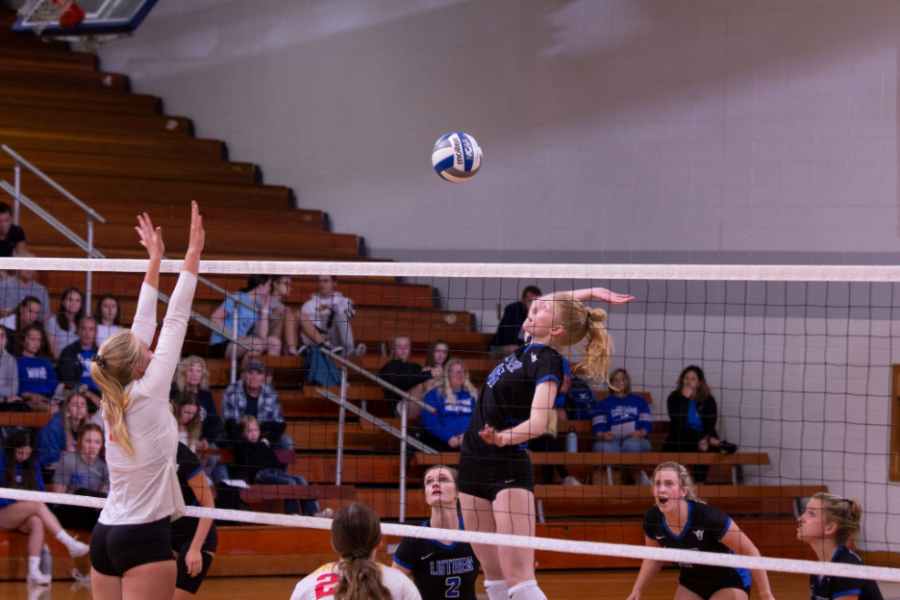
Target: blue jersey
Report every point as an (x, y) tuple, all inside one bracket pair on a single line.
[(246, 318), (440, 571), (451, 419), (36, 376), (831, 588), (622, 415)]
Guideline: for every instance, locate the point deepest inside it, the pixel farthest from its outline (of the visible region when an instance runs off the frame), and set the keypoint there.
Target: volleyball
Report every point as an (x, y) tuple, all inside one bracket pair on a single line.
[(456, 157)]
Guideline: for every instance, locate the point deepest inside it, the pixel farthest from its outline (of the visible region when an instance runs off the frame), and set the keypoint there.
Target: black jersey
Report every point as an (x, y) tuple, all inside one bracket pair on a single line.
[(187, 467), (440, 571), (508, 393), (830, 588), (703, 532)]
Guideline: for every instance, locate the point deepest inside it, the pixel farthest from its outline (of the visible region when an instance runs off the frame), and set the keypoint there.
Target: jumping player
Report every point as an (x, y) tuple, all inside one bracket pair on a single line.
[(680, 521), (828, 525), (496, 479), (193, 540), (355, 536), (131, 546), (440, 569)]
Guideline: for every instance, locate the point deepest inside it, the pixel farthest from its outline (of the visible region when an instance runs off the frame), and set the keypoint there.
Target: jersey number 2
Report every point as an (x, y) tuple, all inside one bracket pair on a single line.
[(325, 584), (453, 587)]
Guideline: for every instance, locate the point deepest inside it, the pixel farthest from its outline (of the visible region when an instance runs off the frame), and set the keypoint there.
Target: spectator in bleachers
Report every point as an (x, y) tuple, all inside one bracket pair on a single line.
[(20, 286), (262, 466), (252, 325), (437, 356), (60, 434), (74, 365), (10, 401), (580, 401), (407, 376), (62, 328), (325, 319), (192, 376), (82, 473), (252, 396), (548, 443), (31, 518), (622, 421), (693, 414), (107, 316), (285, 321), (187, 413), (37, 379), (12, 237), (509, 333), (27, 313), (454, 399)]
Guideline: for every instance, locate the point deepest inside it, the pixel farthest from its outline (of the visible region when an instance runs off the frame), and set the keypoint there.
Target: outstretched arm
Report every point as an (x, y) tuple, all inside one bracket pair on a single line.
[(649, 570), (599, 293), (197, 240), (738, 542), (151, 239)]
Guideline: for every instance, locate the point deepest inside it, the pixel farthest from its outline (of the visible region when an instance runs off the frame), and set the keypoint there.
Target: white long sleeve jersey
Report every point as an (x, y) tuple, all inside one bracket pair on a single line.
[(145, 488)]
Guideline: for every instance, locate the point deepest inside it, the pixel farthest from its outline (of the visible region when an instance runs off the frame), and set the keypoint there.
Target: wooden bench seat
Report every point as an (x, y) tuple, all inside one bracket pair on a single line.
[(93, 190), (54, 163), (259, 493), (33, 59), (62, 79), (59, 119), (617, 459), (82, 101), (92, 143)]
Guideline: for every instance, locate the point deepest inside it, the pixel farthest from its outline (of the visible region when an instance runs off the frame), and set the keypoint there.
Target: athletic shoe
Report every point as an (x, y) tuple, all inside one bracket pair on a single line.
[(359, 351), (644, 479), (324, 514), (571, 481), (78, 549), (38, 579)]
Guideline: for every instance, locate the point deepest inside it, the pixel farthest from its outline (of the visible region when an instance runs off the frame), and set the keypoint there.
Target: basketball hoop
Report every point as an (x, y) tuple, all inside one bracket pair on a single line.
[(41, 13)]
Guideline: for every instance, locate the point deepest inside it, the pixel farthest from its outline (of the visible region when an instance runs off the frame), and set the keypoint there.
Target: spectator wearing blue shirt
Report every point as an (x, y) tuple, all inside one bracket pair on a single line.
[(60, 434), (454, 400), (74, 365), (693, 413), (622, 421), (252, 325), (18, 470), (37, 380)]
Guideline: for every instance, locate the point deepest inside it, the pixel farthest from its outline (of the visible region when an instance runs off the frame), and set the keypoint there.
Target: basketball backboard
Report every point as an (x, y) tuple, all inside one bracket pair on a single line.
[(102, 17)]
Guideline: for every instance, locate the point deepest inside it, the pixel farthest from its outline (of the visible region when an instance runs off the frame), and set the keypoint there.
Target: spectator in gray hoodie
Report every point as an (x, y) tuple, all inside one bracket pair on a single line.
[(9, 378)]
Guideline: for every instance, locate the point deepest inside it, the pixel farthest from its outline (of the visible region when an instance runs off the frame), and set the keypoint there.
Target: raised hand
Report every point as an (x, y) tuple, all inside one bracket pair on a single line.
[(610, 297), (151, 238), (198, 234)]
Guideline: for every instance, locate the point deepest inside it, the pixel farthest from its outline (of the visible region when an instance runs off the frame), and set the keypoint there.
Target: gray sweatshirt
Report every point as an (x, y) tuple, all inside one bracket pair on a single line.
[(9, 375)]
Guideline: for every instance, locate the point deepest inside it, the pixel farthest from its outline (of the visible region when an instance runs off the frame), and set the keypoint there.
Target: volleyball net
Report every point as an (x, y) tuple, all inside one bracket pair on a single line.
[(799, 397)]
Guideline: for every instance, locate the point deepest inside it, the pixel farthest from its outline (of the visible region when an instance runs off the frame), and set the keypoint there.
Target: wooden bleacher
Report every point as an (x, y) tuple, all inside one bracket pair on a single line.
[(116, 151)]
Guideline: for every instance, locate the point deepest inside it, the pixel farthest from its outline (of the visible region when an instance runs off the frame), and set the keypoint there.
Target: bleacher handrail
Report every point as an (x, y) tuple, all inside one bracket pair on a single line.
[(49, 181)]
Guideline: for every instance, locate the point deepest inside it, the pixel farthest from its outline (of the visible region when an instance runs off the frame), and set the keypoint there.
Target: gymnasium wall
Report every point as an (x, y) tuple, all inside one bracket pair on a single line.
[(614, 131)]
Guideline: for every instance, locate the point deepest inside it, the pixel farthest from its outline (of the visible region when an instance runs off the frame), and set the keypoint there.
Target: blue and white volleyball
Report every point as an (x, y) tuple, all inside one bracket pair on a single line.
[(456, 157)]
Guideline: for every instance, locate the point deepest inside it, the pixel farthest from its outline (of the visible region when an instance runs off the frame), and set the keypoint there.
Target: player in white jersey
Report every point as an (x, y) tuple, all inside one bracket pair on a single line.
[(131, 548), (355, 536)]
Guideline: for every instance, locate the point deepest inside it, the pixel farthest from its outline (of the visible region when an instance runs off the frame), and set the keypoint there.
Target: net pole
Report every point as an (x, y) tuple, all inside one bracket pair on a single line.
[(403, 431), (342, 418)]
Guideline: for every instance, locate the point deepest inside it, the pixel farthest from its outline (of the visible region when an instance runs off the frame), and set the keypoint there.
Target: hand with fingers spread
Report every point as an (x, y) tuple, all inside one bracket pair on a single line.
[(151, 238)]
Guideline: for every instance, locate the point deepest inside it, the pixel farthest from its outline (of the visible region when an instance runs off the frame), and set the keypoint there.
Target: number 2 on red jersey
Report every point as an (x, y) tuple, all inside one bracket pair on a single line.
[(325, 584)]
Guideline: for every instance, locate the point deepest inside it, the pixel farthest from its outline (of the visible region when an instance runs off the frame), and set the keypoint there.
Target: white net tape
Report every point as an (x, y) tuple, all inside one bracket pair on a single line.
[(498, 539), (486, 270)]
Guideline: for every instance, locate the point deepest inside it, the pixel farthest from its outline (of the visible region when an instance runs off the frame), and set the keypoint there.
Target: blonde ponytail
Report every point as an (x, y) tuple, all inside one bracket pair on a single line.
[(580, 322), (112, 369)]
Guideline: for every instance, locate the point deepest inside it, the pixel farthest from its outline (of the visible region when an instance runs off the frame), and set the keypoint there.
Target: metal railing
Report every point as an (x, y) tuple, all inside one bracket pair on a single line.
[(92, 215), (87, 245), (402, 434)]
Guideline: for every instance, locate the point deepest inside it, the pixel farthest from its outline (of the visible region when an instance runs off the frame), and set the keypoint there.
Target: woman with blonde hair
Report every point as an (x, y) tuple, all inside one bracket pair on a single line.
[(496, 479), (192, 376), (681, 521), (453, 400), (131, 548), (356, 536), (829, 525)]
